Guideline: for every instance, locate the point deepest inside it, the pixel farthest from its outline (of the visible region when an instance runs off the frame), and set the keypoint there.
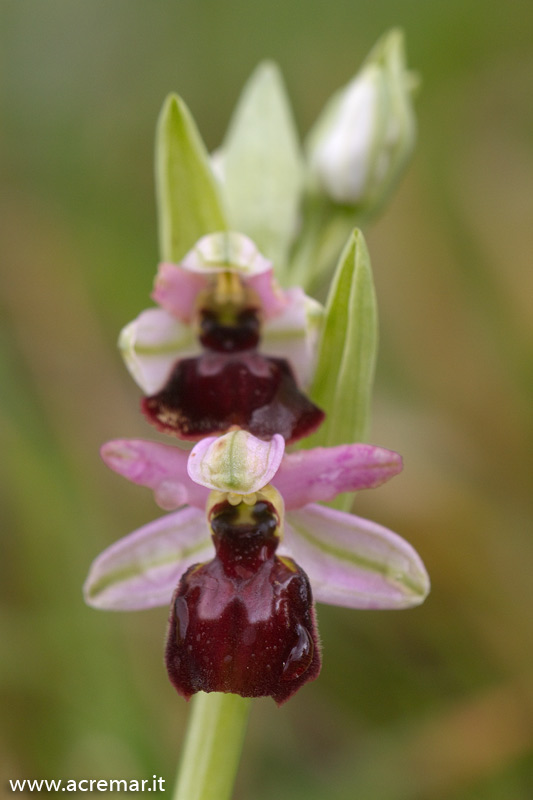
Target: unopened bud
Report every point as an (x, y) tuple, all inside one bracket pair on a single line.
[(365, 135)]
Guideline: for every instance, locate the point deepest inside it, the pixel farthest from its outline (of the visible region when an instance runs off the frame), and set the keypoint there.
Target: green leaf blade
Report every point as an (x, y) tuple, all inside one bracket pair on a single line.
[(188, 198), (344, 377)]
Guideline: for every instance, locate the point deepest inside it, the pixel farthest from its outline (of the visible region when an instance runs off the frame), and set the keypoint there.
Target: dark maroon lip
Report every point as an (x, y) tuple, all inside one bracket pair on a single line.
[(243, 622), (242, 333), (207, 395)]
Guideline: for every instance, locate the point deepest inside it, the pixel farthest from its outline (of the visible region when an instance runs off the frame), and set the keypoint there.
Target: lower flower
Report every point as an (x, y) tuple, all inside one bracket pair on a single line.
[(242, 618)]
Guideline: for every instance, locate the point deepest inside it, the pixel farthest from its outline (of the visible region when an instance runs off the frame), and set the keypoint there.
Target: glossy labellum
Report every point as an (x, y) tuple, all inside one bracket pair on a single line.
[(210, 394), (244, 621), (232, 384)]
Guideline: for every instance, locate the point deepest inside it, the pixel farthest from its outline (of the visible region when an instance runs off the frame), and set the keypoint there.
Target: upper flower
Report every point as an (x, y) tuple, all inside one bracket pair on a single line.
[(197, 356), (153, 342)]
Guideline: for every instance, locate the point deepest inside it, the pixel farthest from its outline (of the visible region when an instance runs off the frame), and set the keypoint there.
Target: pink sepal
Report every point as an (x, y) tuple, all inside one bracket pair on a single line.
[(353, 562), (322, 473), (160, 467), (143, 569)]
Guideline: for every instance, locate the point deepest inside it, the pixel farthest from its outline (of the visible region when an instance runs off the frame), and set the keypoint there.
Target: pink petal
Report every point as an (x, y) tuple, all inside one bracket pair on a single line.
[(176, 289), (324, 472), (237, 462), (143, 569), (177, 285), (353, 562), (273, 298), (160, 467)]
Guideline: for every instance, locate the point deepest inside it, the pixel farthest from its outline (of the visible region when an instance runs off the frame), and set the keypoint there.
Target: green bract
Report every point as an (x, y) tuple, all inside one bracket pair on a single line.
[(347, 352), (261, 165), (188, 199)]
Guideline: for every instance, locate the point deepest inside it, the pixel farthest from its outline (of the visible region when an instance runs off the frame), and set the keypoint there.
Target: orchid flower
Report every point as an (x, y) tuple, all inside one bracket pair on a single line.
[(197, 355), (348, 561)]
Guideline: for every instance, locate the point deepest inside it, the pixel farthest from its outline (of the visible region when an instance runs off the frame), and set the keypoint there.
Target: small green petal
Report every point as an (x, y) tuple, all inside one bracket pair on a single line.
[(188, 199)]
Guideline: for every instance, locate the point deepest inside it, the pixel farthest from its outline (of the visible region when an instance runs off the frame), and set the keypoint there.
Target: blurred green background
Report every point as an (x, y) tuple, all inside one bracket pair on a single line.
[(430, 704)]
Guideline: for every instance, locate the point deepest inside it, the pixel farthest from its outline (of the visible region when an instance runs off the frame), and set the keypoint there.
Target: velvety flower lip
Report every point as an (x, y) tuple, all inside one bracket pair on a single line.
[(350, 561), (153, 342), (244, 621), (215, 391)]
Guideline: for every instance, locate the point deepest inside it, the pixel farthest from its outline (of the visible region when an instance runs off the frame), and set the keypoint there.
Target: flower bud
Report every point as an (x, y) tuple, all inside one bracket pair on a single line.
[(363, 138)]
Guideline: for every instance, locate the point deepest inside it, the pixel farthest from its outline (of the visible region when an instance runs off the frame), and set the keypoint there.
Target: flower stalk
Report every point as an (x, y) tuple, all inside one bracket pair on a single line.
[(213, 745)]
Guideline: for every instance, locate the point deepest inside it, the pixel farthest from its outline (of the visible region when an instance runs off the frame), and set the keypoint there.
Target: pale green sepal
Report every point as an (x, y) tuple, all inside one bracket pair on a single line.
[(188, 199), (293, 334), (342, 384), (262, 165), (151, 345)]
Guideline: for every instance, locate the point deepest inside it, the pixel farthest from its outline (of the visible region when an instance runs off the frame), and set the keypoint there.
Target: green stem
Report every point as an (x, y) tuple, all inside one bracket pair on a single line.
[(212, 747), (326, 227)]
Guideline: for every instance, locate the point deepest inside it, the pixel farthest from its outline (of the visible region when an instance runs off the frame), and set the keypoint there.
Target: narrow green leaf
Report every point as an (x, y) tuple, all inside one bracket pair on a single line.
[(263, 165), (343, 380), (188, 198)]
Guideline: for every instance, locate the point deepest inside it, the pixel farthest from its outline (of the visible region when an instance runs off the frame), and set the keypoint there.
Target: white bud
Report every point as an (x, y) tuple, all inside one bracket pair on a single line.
[(364, 136)]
